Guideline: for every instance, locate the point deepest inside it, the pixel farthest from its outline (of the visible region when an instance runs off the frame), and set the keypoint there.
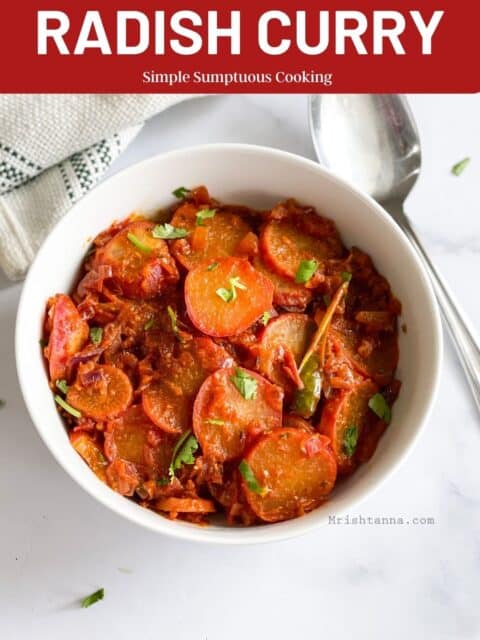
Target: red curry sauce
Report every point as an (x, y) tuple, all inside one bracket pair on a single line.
[(229, 360)]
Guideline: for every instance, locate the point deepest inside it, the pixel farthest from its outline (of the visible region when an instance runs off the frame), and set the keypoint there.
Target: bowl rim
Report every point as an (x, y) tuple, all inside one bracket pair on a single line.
[(236, 535)]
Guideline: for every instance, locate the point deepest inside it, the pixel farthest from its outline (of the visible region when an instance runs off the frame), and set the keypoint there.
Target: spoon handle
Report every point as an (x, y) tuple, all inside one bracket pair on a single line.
[(462, 334)]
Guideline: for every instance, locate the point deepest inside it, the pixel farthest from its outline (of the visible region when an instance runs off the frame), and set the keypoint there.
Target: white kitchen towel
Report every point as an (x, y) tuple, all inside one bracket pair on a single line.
[(53, 150)]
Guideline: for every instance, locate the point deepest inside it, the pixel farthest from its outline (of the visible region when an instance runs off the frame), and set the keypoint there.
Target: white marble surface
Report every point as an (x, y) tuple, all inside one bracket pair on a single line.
[(396, 582)]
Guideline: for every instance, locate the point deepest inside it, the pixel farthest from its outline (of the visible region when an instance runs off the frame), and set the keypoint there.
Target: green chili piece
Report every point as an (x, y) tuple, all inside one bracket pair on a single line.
[(306, 400)]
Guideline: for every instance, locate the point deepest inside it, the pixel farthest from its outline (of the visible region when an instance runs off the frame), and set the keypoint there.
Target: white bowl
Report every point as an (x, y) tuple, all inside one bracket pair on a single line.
[(260, 177)]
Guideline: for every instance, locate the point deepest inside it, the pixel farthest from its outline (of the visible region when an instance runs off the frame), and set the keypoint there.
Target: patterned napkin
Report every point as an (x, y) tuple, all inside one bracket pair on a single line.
[(53, 150)]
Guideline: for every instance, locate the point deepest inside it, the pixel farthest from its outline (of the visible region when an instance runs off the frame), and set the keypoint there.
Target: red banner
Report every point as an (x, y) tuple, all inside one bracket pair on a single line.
[(221, 47)]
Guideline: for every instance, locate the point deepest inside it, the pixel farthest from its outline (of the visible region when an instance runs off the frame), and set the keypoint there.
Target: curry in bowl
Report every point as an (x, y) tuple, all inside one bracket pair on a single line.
[(224, 359)]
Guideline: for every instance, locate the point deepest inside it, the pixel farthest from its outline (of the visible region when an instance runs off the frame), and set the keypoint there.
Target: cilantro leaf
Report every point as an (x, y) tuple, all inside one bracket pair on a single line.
[(250, 480), (225, 294), (213, 266), (350, 439), (235, 283), (346, 276), (67, 407), (138, 243), (460, 167), (173, 319), (266, 315), (245, 384), (306, 270), (378, 405), (183, 452), (180, 192), (149, 324), (96, 334), (228, 295), (62, 385), (203, 215), (172, 314), (93, 598), (168, 232)]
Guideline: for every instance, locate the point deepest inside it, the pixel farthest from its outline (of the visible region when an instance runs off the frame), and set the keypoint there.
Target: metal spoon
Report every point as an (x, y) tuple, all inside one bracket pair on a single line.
[(372, 141)]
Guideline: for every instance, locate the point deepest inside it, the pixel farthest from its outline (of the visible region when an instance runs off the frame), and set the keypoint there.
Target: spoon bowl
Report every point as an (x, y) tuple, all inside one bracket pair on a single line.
[(371, 140)]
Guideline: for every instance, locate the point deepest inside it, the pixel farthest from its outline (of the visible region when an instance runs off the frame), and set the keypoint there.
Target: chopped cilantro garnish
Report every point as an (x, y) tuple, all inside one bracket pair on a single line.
[(173, 319), (228, 295), (250, 480), (62, 385), (149, 324), (183, 452), (96, 334), (266, 315), (346, 276), (180, 192), (172, 314), (68, 408), (168, 232), (460, 167), (306, 270), (350, 438), (225, 294), (93, 598), (245, 384), (378, 405), (213, 266), (138, 243), (162, 482), (235, 284), (204, 214)]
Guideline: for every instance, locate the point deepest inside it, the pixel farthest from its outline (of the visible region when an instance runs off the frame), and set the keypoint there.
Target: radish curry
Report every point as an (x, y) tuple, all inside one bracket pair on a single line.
[(222, 359)]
